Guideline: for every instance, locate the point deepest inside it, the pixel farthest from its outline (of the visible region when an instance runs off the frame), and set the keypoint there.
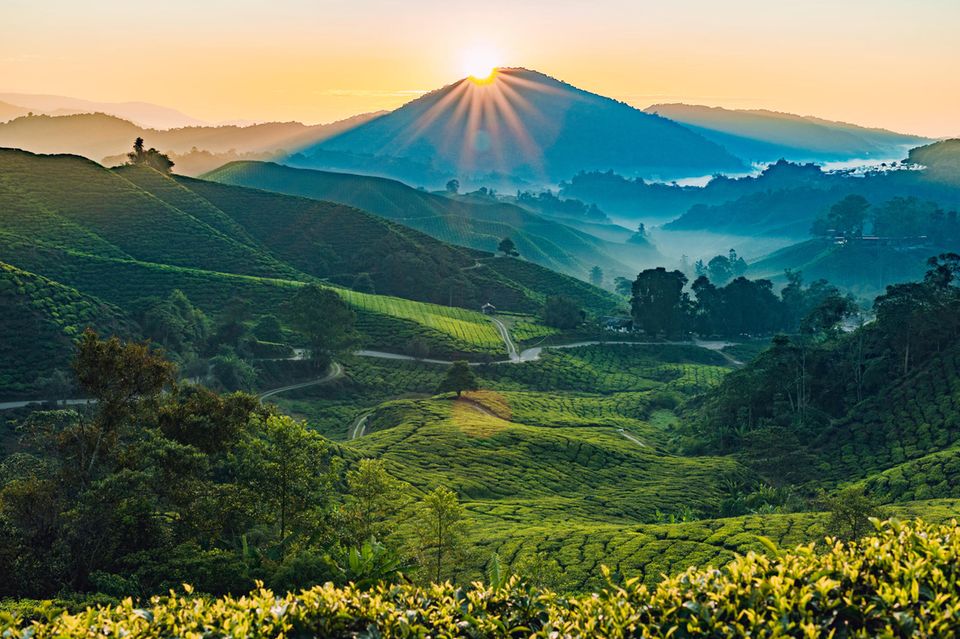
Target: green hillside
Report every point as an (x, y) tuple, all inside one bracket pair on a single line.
[(105, 204), (481, 226), (119, 237), (140, 214)]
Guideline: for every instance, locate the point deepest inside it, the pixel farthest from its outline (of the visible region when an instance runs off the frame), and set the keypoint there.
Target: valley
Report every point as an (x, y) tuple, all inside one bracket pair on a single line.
[(352, 344)]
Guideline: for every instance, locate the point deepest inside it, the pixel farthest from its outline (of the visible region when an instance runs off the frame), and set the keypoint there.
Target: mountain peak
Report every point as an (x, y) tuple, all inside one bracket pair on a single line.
[(528, 125)]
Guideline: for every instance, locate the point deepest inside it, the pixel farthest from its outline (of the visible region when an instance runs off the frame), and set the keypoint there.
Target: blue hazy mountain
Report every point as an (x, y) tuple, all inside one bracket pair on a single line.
[(766, 136), (521, 124)]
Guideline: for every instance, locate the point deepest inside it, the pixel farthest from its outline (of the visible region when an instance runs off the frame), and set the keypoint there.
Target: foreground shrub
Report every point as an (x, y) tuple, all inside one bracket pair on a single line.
[(901, 582)]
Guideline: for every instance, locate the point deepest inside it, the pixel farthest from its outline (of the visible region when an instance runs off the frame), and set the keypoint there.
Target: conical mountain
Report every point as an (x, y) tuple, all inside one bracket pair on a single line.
[(525, 125)]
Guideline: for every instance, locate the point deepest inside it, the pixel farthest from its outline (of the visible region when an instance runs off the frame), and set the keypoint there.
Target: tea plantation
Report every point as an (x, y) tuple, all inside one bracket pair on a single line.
[(117, 237), (899, 582)]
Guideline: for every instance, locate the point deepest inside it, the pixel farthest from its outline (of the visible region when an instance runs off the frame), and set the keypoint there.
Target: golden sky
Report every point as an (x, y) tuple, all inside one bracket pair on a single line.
[(894, 64)]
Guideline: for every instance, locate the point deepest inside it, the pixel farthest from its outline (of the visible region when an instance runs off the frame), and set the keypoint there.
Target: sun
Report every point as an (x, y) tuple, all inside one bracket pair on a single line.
[(480, 64)]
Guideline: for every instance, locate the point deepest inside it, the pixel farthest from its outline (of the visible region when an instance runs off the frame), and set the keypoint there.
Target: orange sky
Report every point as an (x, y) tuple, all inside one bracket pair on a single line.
[(879, 62)]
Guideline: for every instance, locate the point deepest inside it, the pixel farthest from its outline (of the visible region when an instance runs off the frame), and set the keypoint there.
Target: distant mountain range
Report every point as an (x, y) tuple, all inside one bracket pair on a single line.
[(767, 136), (195, 149), (519, 129), (143, 114), (522, 124)]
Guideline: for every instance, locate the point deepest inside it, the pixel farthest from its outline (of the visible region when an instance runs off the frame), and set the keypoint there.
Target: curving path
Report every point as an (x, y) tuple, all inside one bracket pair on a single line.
[(624, 432), (533, 354), (335, 372), (359, 426), (507, 340)]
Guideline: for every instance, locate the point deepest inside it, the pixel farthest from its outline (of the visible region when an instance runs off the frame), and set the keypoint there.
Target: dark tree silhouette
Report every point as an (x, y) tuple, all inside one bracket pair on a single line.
[(149, 157), (459, 378), (507, 247)]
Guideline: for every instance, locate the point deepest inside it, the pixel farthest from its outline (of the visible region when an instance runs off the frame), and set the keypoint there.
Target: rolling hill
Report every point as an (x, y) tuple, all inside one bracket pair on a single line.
[(760, 135), (467, 223), (521, 125), (111, 238)]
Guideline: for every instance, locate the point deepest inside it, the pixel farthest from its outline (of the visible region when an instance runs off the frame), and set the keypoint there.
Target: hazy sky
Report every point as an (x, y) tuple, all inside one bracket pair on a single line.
[(885, 63)]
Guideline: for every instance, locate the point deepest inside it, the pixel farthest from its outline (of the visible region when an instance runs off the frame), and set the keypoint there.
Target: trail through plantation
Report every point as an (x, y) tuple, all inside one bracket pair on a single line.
[(335, 372), (359, 426)]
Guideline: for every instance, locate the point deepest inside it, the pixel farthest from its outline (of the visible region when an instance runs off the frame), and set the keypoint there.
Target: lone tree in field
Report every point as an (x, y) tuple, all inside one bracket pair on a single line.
[(508, 248), (460, 377), (149, 157), (453, 186), (324, 319), (438, 531)]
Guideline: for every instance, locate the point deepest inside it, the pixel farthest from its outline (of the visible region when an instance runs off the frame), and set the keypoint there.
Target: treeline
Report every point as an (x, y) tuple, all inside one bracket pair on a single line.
[(549, 203), (661, 305), (899, 217), (165, 483), (774, 407)]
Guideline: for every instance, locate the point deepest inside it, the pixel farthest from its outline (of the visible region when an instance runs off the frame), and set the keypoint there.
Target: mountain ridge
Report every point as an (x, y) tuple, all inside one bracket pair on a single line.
[(553, 130)]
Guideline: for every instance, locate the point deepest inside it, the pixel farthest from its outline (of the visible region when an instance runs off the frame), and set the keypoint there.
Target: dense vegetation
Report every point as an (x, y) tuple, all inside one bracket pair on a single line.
[(899, 582), (661, 305)]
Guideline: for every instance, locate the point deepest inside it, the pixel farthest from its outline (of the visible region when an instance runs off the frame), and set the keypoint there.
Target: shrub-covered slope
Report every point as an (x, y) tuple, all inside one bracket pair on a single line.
[(40, 319)]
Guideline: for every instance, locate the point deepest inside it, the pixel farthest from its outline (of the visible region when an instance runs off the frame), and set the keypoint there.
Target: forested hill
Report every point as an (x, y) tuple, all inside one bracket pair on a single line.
[(468, 223), (877, 405)]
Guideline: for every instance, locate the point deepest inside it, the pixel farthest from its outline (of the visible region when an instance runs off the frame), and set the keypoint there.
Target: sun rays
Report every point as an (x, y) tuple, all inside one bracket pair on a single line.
[(486, 122)]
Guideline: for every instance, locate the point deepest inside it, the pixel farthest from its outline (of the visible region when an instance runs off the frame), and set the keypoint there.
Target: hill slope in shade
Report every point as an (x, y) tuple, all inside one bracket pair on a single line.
[(137, 213), (195, 149), (39, 311), (477, 225), (761, 135), (941, 159), (527, 126)]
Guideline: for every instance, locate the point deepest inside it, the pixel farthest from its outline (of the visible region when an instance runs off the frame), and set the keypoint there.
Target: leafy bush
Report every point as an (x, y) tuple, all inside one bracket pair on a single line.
[(900, 582)]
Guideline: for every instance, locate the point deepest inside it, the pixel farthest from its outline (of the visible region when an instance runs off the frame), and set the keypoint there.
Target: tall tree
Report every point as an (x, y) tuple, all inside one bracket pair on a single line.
[(324, 319), (287, 466), (596, 276), (373, 500), (149, 157), (658, 301), (460, 377), (438, 530)]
